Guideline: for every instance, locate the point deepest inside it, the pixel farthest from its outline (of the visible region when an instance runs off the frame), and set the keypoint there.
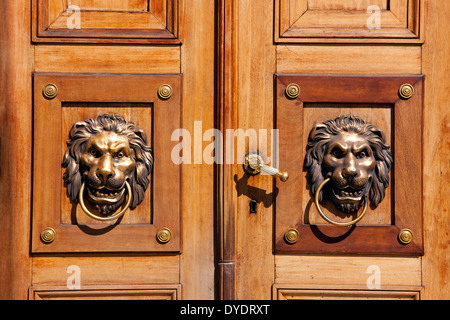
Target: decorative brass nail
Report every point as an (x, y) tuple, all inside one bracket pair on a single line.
[(405, 236), (48, 235), (406, 91), (164, 235), (293, 91), (50, 91), (165, 91), (291, 236)]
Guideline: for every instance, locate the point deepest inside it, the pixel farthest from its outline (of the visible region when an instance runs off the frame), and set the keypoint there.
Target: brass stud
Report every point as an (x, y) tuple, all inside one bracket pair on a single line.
[(164, 235), (291, 236), (406, 91), (292, 91), (48, 235), (405, 236), (165, 92), (50, 91)]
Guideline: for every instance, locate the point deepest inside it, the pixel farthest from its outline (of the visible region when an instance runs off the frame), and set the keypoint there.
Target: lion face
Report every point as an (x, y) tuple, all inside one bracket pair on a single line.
[(107, 163), (350, 163), (354, 155), (105, 154)]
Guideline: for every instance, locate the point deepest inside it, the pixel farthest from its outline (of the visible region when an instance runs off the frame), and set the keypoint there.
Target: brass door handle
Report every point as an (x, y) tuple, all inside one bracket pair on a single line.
[(254, 164)]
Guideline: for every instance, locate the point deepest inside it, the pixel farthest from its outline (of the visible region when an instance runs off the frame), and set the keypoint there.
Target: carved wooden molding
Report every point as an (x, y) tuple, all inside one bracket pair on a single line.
[(226, 119), (300, 21), (297, 292), (154, 292), (133, 21)]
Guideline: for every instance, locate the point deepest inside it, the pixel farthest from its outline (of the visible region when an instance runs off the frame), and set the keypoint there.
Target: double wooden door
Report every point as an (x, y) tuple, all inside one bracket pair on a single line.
[(202, 84)]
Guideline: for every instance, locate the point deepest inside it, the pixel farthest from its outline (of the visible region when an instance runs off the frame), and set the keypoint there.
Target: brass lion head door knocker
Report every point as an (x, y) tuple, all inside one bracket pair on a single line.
[(107, 162), (348, 161)]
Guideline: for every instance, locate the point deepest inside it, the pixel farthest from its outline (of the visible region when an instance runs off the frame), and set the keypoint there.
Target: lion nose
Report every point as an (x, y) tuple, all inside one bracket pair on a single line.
[(349, 170), (105, 168)]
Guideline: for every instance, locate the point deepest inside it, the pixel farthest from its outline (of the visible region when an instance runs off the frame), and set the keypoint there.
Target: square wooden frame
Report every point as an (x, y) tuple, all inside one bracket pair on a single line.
[(406, 176), (48, 173), (50, 24), (296, 23)]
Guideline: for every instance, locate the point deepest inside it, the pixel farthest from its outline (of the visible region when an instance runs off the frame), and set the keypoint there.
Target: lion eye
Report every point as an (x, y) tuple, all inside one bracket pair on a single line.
[(95, 153), (362, 155), (119, 155), (337, 153)]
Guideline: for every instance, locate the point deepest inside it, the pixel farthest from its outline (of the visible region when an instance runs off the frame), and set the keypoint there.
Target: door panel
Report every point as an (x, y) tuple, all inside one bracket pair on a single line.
[(93, 79), (375, 100), (335, 261), (297, 293), (160, 292), (305, 21), (83, 98), (106, 21)]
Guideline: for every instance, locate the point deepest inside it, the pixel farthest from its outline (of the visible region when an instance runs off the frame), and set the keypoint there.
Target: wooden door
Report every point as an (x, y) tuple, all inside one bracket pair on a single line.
[(270, 71), (68, 64), (292, 66)]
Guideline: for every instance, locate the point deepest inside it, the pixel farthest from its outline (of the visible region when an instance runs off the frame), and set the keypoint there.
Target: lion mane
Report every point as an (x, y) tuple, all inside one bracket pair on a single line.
[(80, 134), (319, 139)]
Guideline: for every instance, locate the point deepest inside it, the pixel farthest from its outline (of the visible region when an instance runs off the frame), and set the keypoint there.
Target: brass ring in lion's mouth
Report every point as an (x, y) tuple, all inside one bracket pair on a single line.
[(349, 194), (339, 224), (104, 195), (116, 216)]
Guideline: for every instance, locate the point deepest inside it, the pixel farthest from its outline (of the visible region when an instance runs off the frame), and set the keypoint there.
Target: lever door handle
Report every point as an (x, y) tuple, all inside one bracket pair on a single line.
[(254, 164)]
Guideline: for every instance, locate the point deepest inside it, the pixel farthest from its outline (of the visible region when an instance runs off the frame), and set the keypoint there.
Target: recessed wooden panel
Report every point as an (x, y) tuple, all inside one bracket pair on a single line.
[(292, 292), (138, 113), (111, 5), (346, 4), (381, 116), (394, 21), (377, 99), (138, 21), (161, 292), (81, 96)]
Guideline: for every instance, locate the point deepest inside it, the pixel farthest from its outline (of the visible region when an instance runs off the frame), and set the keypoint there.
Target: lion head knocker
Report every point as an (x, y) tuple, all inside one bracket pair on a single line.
[(349, 160), (107, 162)]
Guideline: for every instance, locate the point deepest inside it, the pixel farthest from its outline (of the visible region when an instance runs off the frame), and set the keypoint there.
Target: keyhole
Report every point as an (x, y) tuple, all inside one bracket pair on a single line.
[(253, 205)]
